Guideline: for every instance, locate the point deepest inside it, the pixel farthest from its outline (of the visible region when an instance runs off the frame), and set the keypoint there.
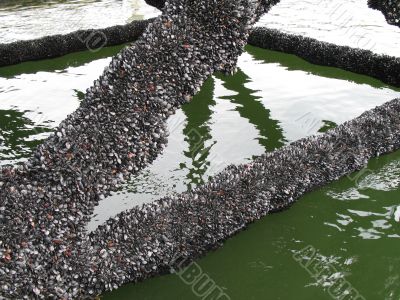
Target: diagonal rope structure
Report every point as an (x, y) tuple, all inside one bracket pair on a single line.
[(119, 128)]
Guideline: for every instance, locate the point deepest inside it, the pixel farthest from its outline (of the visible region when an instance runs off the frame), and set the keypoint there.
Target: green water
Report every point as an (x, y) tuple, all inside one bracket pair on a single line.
[(274, 99), (258, 263), (357, 237)]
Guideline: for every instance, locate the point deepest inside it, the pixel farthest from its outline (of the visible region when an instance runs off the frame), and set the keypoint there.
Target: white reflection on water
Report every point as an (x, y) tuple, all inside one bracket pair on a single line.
[(234, 136), (371, 221), (306, 93), (384, 179), (38, 18), (345, 22)]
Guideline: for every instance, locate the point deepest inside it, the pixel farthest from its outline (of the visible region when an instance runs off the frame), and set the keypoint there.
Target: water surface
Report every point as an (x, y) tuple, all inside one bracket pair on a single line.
[(29, 19), (356, 238), (274, 99), (344, 22)]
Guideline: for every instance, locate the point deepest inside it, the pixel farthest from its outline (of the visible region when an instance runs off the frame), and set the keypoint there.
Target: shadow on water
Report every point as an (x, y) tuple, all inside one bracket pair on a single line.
[(71, 60), (250, 108), (197, 133), (293, 62), (198, 115), (19, 135)]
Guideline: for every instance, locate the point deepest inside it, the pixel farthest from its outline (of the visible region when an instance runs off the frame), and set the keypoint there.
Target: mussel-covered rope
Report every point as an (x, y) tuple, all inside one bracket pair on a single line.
[(119, 128), (389, 8)]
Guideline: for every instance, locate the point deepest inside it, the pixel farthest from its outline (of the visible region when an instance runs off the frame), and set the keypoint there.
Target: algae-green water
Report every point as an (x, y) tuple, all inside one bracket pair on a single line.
[(273, 99), (355, 238)]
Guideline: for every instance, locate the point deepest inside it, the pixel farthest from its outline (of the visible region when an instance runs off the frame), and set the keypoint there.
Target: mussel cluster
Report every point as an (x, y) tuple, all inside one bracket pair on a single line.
[(119, 128), (390, 9), (61, 44), (383, 67)]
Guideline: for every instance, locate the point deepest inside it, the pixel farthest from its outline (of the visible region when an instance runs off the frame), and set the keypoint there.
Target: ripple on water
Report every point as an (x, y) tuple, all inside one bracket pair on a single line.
[(375, 198), (386, 178)]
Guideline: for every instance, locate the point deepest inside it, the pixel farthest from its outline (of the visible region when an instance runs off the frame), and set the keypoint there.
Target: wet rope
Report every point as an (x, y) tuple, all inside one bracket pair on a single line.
[(119, 128)]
